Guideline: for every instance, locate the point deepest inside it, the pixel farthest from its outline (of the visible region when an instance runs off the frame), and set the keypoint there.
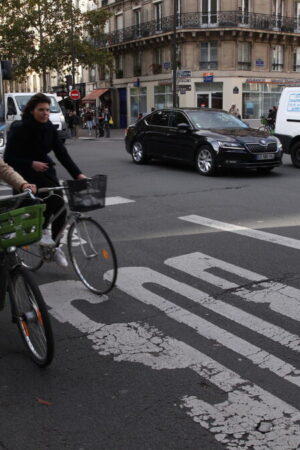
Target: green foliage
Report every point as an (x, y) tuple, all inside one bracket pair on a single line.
[(44, 35)]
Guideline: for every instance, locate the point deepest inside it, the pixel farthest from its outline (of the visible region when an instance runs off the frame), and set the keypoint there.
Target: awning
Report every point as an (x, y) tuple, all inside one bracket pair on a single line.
[(91, 97)]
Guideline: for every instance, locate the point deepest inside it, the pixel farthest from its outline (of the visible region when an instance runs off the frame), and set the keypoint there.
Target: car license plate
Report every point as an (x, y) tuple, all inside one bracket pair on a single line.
[(265, 156)]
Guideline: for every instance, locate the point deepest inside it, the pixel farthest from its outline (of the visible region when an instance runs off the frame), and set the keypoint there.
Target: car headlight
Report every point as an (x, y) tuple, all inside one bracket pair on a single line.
[(226, 145), (279, 144)]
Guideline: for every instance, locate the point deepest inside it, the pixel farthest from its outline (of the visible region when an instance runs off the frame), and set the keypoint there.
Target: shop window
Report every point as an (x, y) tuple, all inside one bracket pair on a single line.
[(244, 56), (163, 97), (138, 102), (208, 55), (277, 58)]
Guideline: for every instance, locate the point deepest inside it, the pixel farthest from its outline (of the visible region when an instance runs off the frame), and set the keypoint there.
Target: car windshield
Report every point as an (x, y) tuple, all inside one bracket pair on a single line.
[(215, 120), (22, 100)]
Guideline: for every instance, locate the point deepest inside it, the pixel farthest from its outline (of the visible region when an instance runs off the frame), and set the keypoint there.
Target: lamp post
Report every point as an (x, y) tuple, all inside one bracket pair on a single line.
[(174, 62)]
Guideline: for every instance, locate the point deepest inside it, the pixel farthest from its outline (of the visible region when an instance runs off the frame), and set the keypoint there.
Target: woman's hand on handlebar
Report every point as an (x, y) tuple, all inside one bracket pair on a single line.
[(81, 176), (32, 187)]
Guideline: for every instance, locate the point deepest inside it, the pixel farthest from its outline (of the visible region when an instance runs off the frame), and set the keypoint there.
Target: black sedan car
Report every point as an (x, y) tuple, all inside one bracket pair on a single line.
[(206, 138)]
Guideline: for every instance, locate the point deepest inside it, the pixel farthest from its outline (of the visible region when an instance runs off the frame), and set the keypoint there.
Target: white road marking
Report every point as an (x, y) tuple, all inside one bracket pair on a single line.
[(5, 187), (235, 422), (132, 280), (244, 231), (117, 201), (198, 265)]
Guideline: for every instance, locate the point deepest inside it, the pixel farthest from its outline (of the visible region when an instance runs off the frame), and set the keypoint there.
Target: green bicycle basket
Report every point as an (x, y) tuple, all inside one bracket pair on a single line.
[(21, 226)]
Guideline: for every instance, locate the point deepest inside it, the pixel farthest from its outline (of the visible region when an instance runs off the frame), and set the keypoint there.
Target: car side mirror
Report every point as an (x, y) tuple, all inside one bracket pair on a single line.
[(184, 127)]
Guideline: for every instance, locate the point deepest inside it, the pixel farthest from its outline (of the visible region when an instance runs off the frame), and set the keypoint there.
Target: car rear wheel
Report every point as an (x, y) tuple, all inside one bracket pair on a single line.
[(295, 154), (138, 153), (206, 161)]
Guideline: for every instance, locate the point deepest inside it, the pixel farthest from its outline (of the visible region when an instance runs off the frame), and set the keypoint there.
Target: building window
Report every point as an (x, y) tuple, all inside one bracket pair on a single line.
[(245, 10), (119, 27), (137, 22), (178, 13), (178, 57), (158, 16), (296, 57), (137, 64), (157, 61), (277, 58), (297, 15), (92, 74), (163, 97), (244, 56), (138, 102), (208, 55), (119, 66), (278, 12), (209, 11)]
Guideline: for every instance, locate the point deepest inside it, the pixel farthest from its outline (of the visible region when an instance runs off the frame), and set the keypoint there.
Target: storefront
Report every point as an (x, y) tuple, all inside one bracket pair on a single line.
[(260, 95), (209, 95)]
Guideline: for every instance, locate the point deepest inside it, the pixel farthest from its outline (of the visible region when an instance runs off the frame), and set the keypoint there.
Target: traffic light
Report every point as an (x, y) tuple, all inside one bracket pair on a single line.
[(69, 82), (6, 68)]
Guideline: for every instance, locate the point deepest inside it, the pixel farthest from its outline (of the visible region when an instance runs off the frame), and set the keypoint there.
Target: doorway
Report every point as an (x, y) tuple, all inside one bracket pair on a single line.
[(210, 100)]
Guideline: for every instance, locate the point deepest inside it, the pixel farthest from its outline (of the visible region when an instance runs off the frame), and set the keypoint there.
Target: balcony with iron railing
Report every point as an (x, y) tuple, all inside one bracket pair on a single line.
[(197, 20)]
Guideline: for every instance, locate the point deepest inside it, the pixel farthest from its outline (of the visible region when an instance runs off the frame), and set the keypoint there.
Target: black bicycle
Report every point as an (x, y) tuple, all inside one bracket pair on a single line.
[(90, 249), (20, 227)]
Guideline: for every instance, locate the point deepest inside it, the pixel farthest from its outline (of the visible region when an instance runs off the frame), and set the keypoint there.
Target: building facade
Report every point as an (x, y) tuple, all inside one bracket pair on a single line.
[(228, 52)]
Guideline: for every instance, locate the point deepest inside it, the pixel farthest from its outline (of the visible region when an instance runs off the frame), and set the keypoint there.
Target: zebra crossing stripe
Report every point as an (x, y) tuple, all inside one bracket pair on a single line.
[(132, 279), (243, 231), (238, 422), (199, 265)]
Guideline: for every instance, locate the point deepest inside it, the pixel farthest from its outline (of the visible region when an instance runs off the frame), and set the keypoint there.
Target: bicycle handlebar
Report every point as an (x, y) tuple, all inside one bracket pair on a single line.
[(49, 189)]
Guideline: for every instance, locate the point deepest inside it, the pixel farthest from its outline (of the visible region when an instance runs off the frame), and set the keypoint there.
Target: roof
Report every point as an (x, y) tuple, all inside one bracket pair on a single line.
[(92, 96)]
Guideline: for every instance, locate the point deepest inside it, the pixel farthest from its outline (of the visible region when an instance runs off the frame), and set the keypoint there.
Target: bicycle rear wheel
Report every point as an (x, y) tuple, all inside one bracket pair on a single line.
[(30, 256), (30, 313), (92, 254)]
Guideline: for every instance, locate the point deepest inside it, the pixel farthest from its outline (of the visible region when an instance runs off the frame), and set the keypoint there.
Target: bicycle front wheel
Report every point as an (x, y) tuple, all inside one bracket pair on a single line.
[(92, 255), (30, 313), (31, 256)]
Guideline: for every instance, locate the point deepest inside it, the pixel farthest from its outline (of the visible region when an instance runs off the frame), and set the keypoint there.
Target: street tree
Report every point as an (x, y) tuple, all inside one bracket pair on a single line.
[(46, 35)]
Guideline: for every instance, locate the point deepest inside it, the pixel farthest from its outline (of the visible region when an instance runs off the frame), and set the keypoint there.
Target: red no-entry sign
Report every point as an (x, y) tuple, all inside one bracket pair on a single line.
[(75, 94)]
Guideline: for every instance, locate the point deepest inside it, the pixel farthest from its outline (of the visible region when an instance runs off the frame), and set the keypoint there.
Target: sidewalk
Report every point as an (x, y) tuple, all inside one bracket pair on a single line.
[(116, 134)]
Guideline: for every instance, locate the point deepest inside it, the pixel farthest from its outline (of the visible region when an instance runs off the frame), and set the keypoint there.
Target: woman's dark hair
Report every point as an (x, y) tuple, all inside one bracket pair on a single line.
[(33, 102)]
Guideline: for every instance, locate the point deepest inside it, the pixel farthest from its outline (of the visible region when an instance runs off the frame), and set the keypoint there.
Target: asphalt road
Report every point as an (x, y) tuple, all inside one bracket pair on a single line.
[(198, 345)]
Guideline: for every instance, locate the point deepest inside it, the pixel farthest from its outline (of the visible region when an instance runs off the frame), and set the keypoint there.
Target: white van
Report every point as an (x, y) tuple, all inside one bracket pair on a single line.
[(15, 103), (287, 127)]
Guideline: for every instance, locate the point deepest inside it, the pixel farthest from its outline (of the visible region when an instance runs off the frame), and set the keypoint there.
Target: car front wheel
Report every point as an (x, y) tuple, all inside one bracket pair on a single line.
[(206, 161), (138, 153), (295, 154)]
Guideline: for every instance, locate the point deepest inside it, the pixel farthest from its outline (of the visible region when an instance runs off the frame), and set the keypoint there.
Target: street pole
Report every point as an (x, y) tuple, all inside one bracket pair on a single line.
[(73, 44), (174, 62)]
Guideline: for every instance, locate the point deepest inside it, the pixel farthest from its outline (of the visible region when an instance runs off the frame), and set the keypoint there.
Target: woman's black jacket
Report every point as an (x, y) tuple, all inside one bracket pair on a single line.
[(28, 141)]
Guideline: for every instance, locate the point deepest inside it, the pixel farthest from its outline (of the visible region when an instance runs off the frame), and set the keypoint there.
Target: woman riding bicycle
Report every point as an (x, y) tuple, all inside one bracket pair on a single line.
[(29, 143)]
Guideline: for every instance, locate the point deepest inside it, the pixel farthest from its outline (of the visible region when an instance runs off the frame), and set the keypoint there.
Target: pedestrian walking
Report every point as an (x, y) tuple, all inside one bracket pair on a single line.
[(89, 120), (76, 123), (107, 122), (70, 122), (234, 111)]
